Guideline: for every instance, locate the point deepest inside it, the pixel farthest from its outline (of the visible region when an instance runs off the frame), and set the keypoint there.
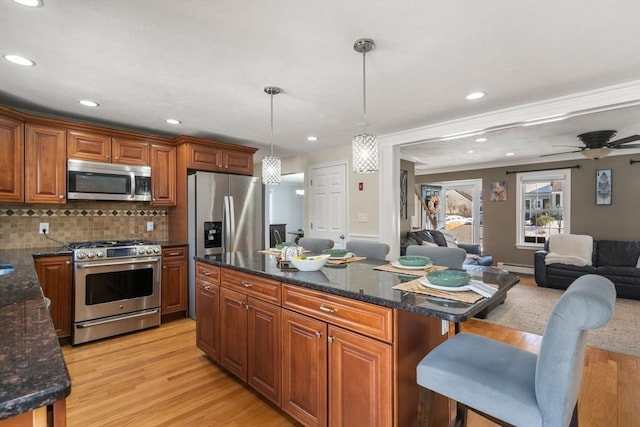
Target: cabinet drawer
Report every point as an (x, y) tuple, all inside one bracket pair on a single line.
[(207, 272), (368, 319), (257, 287), (175, 253)]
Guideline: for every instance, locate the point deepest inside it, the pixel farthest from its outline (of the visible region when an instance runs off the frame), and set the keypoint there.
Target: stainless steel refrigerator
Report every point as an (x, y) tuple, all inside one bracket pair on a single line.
[(225, 215)]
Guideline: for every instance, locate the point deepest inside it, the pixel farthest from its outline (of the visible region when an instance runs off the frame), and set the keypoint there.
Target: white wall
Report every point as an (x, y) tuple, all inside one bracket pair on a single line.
[(285, 207)]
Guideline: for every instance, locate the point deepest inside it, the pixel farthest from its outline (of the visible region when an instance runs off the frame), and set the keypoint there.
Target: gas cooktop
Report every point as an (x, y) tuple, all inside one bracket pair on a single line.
[(110, 244)]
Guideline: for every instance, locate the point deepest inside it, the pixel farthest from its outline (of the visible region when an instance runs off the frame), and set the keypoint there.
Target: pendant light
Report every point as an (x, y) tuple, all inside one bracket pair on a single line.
[(271, 166), (364, 146)]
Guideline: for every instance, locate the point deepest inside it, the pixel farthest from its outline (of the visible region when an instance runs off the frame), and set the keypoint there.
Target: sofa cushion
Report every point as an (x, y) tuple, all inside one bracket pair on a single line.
[(617, 252), (567, 270), (618, 271)]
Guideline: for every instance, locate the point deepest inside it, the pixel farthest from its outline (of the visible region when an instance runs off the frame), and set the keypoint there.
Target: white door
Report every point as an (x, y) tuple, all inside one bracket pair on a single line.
[(328, 203)]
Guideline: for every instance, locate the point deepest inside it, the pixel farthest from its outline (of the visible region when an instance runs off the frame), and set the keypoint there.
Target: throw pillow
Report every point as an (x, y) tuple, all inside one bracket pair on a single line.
[(438, 238), (430, 244), (452, 241)]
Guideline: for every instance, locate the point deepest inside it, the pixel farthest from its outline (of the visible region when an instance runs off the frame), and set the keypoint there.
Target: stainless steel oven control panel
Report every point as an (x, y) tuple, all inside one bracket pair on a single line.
[(115, 252)]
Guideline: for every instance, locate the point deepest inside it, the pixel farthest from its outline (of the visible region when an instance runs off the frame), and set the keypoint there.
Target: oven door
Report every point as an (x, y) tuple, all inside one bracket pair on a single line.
[(115, 287)]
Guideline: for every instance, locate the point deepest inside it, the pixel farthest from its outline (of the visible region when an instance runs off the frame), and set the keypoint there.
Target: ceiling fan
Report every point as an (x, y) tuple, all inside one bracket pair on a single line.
[(598, 144)]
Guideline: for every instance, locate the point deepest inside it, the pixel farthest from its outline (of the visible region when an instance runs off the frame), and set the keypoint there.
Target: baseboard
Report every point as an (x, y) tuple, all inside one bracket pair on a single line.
[(516, 268)]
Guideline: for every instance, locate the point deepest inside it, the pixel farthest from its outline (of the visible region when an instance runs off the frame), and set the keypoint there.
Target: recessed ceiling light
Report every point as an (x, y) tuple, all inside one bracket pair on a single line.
[(20, 60), (509, 154), (88, 103), (173, 121), (481, 140), (312, 138), (30, 3), (470, 152), (475, 95)]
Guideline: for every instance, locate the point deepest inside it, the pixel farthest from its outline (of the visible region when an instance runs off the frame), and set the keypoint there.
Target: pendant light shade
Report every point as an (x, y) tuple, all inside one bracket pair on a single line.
[(364, 146), (271, 166)]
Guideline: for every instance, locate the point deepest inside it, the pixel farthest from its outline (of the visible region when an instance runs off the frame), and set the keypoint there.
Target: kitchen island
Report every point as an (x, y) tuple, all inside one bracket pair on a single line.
[(338, 346), (34, 374)]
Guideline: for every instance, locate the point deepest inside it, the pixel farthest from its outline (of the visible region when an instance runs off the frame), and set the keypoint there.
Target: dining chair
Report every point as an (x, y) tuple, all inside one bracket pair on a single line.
[(370, 250), (511, 386), (440, 255), (315, 245)]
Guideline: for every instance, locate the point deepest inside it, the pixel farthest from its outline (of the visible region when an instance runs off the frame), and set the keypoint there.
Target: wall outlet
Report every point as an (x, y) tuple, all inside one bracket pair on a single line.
[(43, 228), (150, 226)]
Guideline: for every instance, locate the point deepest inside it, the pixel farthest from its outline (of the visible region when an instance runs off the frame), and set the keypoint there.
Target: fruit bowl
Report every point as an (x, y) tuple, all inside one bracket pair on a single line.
[(414, 260), (449, 278), (335, 253), (309, 263)]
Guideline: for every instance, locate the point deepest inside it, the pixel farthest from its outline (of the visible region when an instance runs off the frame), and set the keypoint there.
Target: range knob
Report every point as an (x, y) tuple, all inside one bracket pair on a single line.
[(156, 250), (134, 251), (100, 254), (80, 255), (90, 255), (149, 251)]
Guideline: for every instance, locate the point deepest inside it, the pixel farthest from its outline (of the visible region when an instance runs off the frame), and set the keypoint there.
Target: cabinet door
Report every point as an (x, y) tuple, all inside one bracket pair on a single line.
[(129, 151), (163, 175), (55, 276), (204, 158), (304, 369), (233, 332), (208, 317), (264, 348), (239, 162), (360, 381), (45, 165), (174, 280), (11, 160), (95, 147)]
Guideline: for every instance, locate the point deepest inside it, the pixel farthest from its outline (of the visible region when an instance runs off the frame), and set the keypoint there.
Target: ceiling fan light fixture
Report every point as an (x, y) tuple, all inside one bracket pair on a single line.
[(364, 147), (596, 153), (271, 165)]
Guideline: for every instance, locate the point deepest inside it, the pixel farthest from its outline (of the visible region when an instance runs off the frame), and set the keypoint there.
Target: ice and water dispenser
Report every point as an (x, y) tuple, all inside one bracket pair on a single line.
[(213, 234)]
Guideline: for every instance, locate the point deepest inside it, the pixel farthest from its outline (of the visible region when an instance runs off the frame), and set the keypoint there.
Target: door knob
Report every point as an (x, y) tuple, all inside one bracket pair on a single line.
[(341, 236)]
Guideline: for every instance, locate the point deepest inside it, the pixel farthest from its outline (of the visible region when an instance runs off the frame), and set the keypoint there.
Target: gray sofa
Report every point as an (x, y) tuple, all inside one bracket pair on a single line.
[(474, 251), (613, 259)]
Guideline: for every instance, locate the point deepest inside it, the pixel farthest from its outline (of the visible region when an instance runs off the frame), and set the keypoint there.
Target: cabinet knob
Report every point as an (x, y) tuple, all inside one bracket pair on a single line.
[(164, 267), (318, 335), (205, 272), (246, 284), (61, 196), (330, 339), (67, 262), (117, 158), (207, 287)]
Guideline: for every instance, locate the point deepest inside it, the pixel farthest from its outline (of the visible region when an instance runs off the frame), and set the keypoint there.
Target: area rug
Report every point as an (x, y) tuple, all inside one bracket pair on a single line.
[(528, 307)]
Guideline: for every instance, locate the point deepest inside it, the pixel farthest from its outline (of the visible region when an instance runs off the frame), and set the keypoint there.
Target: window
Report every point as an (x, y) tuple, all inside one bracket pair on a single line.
[(544, 201)]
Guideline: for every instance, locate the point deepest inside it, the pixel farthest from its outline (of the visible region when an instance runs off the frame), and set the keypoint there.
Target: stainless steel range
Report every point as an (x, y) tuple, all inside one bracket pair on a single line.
[(116, 288)]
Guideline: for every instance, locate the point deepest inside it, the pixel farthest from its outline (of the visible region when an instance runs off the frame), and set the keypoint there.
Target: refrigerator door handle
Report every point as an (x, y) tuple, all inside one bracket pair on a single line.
[(227, 226), (232, 225)]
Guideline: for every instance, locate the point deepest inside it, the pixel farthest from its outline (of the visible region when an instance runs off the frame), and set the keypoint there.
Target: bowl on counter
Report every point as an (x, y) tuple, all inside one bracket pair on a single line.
[(335, 253), (6, 269), (414, 260), (309, 263), (449, 278)]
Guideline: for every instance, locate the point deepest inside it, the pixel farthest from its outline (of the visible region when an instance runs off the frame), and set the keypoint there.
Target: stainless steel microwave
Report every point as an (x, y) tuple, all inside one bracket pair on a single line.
[(107, 181)]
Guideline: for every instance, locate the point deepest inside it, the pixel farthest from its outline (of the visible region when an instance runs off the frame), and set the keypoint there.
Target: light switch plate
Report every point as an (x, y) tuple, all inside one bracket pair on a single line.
[(150, 226)]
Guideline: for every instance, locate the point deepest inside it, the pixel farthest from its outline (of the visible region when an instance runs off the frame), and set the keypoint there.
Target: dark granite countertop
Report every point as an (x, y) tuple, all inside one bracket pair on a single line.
[(32, 367), (171, 244), (359, 280)]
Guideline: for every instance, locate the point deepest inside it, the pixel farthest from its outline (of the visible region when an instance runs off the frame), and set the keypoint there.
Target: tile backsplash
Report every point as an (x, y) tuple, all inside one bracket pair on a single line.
[(79, 221)]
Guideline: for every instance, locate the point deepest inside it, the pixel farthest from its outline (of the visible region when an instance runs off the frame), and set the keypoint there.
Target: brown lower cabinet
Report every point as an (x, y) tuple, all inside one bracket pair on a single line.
[(174, 280), (56, 275), (323, 359)]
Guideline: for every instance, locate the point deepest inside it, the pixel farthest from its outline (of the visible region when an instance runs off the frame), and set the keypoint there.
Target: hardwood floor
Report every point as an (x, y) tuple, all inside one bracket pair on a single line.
[(159, 377)]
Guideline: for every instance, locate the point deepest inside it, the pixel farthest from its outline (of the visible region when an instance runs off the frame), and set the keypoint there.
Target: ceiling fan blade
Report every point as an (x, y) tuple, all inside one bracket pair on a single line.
[(556, 154), (618, 147), (626, 140)]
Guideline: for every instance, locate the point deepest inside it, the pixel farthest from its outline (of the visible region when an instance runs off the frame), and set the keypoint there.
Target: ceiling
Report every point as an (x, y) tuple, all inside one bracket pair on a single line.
[(206, 63)]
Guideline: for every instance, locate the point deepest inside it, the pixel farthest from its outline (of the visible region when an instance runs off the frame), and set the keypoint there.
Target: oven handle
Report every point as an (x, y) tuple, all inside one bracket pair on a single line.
[(132, 191), (106, 264), (116, 319)]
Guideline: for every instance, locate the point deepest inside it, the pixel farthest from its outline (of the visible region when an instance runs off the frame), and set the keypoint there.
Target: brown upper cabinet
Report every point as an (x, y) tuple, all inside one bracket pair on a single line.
[(202, 154), (99, 147), (11, 160), (163, 175), (45, 164)]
